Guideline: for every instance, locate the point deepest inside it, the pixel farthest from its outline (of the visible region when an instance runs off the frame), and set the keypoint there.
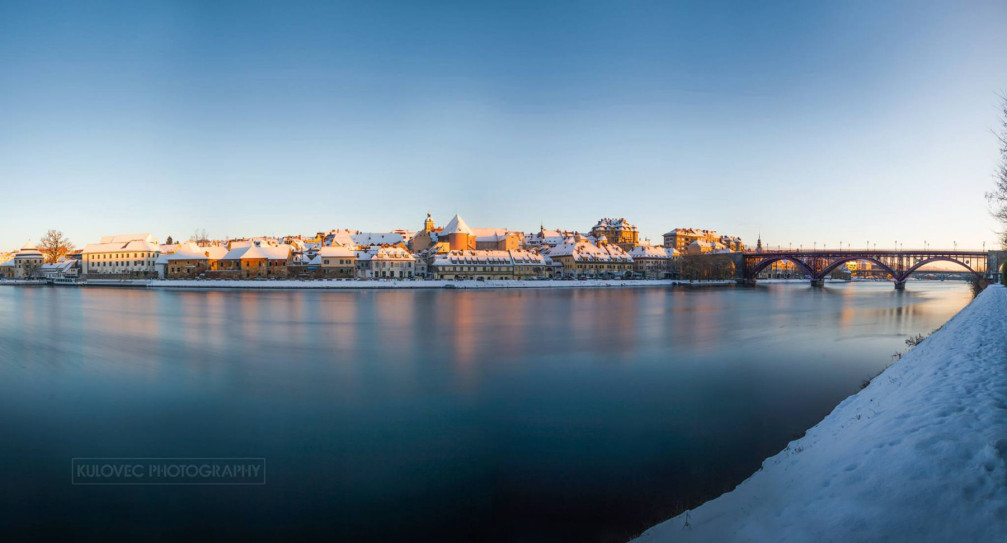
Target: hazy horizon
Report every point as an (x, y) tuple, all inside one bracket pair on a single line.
[(852, 122)]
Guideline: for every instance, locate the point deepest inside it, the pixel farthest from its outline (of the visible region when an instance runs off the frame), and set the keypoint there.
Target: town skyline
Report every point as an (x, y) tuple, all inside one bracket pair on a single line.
[(654, 238)]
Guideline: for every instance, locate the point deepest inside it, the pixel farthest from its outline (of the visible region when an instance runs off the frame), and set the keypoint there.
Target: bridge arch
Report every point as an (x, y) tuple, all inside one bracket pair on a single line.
[(763, 264), (836, 263), (931, 260)]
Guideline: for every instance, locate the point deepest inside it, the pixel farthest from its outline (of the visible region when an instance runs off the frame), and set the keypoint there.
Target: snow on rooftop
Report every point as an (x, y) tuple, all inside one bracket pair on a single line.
[(258, 250), (365, 239), (192, 251), (126, 238), (648, 251), (336, 252), (456, 226), (122, 243), (918, 455), (583, 250), (384, 253)]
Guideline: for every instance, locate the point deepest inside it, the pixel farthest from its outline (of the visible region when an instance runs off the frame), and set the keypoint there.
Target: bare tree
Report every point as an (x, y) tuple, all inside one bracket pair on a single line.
[(54, 245), (200, 237), (998, 196)]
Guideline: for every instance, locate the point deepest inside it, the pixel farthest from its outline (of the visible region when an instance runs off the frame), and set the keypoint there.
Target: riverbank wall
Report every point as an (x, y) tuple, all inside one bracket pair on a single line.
[(920, 454), (353, 284)]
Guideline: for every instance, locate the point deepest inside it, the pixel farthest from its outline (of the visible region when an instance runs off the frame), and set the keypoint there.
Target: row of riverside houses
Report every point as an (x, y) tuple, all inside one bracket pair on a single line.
[(611, 249)]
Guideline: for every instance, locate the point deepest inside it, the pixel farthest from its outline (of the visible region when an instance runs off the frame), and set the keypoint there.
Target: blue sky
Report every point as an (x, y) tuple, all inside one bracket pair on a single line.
[(808, 122)]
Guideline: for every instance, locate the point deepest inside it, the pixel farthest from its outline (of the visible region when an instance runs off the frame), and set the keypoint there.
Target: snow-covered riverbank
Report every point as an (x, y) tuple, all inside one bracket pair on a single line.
[(390, 284), (918, 455)]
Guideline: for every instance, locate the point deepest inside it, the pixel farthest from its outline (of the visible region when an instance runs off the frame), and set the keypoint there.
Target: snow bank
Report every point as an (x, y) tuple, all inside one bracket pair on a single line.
[(918, 455)]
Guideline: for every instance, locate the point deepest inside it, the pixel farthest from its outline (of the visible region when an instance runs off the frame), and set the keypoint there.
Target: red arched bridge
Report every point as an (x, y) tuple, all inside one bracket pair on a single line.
[(818, 264)]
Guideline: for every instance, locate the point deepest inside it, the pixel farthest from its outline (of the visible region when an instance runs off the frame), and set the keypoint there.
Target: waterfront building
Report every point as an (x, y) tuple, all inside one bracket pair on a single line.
[(257, 259), (545, 238), (385, 262), (491, 264), (336, 261), (480, 265), (681, 238), (531, 265), (617, 231), (700, 247), (498, 239), (27, 262), (581, 258), (651, 262), (65, 267), (121, 256), (421, 266), (458, 235), (189, 261)]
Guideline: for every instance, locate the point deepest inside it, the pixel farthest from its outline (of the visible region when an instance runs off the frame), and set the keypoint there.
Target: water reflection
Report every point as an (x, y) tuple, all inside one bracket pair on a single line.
[(581, 414)]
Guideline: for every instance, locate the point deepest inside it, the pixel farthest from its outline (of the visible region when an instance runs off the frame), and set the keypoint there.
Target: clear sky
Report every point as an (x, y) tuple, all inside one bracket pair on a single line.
[(805, 121)]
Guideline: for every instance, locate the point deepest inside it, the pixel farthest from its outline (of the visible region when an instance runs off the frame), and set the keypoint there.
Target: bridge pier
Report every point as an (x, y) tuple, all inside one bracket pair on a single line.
[(900, 285), (818, 282)]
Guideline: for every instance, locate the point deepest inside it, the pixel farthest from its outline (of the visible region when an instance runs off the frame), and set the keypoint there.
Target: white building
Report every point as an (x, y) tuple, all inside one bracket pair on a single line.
[(123, 255), (27, 263), (64, 268), (385, 263)]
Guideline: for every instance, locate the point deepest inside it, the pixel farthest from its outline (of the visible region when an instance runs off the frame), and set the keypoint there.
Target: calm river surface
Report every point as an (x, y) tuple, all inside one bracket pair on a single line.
[(502, 415)]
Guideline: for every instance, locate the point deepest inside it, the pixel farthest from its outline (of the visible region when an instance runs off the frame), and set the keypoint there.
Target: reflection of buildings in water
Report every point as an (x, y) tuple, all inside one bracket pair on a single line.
[(603, 321)]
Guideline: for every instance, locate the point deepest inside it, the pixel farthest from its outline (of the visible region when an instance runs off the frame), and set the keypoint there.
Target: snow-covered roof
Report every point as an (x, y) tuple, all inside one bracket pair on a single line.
[(123, 242), (456, 226), (336, 252), (28, 250), (617, 224), (384, 253), (490, 234), (527, 258), (473, 257), (583, 250), (258, 250), (192, 251), (691, 232), (366, 239), (60, 266), (648, 251), (126, 238)]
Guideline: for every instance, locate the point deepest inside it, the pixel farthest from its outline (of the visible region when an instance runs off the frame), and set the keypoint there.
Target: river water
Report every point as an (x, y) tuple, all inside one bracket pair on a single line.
[(498, 415)]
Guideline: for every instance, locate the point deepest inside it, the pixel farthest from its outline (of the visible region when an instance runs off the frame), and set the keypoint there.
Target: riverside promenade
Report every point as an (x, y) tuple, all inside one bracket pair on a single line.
[(920, 454)]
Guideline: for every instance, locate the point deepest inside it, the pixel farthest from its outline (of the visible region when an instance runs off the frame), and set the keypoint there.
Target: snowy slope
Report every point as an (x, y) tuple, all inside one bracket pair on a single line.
[(918, 455)]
